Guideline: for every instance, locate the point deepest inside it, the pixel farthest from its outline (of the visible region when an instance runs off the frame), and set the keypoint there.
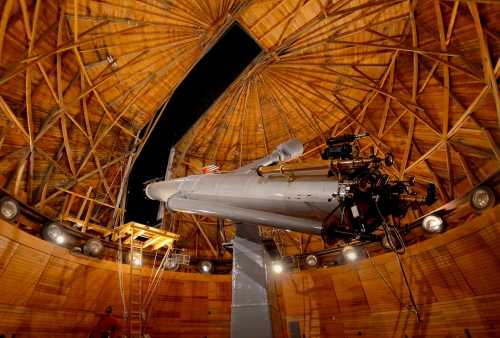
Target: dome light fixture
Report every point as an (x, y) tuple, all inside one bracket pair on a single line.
[(311, 260), (433, 224), (349, 253), (171, 264), (482, 198), (277, 267), (136, 259), (60, 239), (206, 267), (54, 232), (93, 247), (9, 208)]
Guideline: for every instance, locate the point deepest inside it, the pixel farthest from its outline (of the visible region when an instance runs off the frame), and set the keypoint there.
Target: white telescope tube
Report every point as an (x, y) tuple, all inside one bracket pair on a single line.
[(244, 196), (305, 197), (237, 214)]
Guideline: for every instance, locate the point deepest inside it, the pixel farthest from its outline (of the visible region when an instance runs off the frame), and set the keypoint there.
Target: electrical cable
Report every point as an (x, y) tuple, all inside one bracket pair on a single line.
[(157, 276), (397, 253), (119, 262), (414, 306), (391, 231), (155, 282), (386, 282), (152, 270)]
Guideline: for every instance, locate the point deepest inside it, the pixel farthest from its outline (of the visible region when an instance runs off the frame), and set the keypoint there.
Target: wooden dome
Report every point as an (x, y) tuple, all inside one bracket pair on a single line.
[(81, 81)]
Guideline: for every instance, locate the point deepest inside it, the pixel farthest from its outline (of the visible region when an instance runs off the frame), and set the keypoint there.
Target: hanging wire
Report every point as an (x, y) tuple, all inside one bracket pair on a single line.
[(414, 306), (149, 297), (398, 251), (157, 277), (152, 270), (154, 284), (119, 262), (386, 282)]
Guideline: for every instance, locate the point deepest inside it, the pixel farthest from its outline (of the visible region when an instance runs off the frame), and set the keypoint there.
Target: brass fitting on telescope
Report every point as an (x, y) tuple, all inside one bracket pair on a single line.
[(335, 165)]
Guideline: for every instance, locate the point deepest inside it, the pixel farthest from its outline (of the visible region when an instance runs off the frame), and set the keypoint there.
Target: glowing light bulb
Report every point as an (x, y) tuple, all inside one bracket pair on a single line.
[(206, 267), (433, 224), (311, 260), (9, 209), (277, 267), (349, 253)]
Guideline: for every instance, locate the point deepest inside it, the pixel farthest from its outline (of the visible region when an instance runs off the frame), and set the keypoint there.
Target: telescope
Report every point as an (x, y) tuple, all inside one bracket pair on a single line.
[(343, 196)]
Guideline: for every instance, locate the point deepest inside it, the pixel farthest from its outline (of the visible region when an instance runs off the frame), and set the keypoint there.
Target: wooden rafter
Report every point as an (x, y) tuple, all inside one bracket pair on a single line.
[(205, 236), (489, 73)]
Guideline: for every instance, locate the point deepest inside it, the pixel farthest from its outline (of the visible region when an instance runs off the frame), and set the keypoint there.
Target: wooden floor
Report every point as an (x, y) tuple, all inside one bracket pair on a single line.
[(46, 292)]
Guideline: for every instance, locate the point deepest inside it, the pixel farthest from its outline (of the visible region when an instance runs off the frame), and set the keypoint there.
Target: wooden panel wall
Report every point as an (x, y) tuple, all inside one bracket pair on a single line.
[(455, 278), (46, 292)]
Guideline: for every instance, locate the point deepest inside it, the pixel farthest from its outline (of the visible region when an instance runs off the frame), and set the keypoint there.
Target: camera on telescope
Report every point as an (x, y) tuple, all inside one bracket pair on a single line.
[(340, 147)]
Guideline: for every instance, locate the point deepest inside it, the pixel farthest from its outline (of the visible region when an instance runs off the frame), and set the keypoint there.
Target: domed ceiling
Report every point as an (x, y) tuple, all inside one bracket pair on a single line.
[(80, 79)]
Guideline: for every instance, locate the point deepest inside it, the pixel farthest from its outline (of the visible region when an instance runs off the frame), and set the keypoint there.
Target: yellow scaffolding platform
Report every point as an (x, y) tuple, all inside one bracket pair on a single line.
[(155, 238)]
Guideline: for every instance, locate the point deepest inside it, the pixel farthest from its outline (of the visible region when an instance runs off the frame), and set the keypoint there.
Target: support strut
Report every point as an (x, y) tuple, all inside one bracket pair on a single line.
[(251, 307)]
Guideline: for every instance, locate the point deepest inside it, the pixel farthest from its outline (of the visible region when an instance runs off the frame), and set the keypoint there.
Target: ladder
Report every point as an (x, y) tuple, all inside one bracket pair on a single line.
[(135, 314)]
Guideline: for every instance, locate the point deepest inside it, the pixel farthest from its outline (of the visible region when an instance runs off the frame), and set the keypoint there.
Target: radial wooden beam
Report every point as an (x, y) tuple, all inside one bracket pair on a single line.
[(446, 95), (460, 122), (3, 133), (427, 53), (10, 114), (471, 178), (4, 20), (60, 101), (342, 108), (86, 197), (489, 73), (279, 88), (205, 236), (300, 41), (84, 177), (227, 110), (258, 104), (24, 63), (493, 144), (400, 48), (409, 140)]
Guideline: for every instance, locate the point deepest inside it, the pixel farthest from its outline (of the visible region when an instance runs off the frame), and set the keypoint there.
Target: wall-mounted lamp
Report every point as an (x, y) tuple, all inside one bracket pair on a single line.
[(9, 208), (206, 267), (277, 267), (433, 224), (136, 259), (54, 232), (93, 247), (482, 198), (311, 260), (349, 253)]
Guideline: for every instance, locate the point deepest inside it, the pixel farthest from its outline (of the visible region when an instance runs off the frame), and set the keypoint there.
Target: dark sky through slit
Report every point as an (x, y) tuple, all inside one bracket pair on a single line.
[(203, 85)]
